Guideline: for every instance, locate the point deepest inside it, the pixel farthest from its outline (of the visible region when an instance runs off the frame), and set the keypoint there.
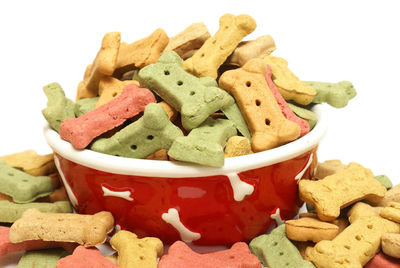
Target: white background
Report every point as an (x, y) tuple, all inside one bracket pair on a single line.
[(48, 41)]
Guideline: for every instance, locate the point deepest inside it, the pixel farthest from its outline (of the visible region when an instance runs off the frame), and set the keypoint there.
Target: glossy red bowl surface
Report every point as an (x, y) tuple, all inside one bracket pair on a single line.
[(180, 201)]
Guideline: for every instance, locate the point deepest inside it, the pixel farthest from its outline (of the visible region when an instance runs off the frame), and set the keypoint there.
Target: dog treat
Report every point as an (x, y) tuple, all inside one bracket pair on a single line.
[(310, 229), (84, 106), (45, 258), (7, 247), (142, 52), (236, 146), (275, 250), (288, 83), (384, 180), (393, 195), (391, 245), (152, 132), (22, 187), (233, 113), (103, 65), (11, 212), (247, 50), (307, 115), (135, 252), (180, 255), (31, 162), (391, 212), (59, 194), (213, 53), (110, 88), (335, 94), (340, 190), (194, 98), (58, 107), (87, 230), (190, 39), (204, 145), (382, 261), (161, 154), (268, 126), (329, 167), (357, 244), (287, 112), (82, 130), (86, 257)]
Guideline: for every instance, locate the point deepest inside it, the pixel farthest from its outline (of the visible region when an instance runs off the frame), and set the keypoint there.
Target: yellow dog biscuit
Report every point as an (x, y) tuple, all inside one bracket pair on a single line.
[(357, 244), (247, 50), (237, 146), (31, 162), (142, 52), (340, 190), (189, 40), (288, 83), (87, 230), (391, 212), (391, 245), (103, 65), (268, 126), (135, 252), (206, 60), (310, 229), (110, 88), (329, 167)]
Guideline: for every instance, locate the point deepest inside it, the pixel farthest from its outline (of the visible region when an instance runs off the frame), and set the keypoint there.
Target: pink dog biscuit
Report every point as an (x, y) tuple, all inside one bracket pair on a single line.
[(85, 257), (180, 255), (287, 112), (382, 261), (82, 130), (6, 247)]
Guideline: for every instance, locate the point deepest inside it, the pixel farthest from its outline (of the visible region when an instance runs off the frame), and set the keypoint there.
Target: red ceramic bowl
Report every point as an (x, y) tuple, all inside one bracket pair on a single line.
[(180, 201)]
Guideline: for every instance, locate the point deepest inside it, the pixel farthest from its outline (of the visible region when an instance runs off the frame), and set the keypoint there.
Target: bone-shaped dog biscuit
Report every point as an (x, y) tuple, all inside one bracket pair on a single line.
[(206, 60), (357, 244), (340, 190), (103, 65), (391, 212), (87, 230), (288, 83), (268, 126), (86, 257), (135, 252), (391, 245)]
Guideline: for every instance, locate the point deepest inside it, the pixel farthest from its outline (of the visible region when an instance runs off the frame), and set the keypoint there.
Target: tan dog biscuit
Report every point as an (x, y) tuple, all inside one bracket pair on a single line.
[(161, 154), (391, 212), (268, 126), (142, 52), (393, 195), (87, 230), (340, 190), (135, 252), (329, 167), (310, 229), (237, 146), (206, 60), (247, 50), (103, 65), (110, 88), (391, 245), (31, 162), (288, 83), (190, 39), (357, 244)]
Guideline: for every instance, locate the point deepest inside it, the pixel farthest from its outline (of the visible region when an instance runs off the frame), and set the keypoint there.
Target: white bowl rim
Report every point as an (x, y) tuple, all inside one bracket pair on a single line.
[(177, 169)]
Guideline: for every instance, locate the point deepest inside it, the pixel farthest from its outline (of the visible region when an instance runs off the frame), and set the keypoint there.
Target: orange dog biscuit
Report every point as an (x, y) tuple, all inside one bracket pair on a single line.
[(288, 83), (103, 65), (206, 60), (391, 212), (87, 230), (310, 229), (110, 88), (340, 190), (268, 126)]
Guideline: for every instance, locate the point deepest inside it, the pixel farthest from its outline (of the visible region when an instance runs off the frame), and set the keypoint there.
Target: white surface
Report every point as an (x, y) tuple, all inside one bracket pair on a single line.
[(46, 41)]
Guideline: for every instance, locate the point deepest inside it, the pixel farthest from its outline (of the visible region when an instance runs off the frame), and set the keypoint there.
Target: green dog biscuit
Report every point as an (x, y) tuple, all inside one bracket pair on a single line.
[(307, 115), (335, 94), (59, 107), (21, 186), (11, 212), (150, 133), (86, 105), (45, 258), (276, 251), (195, 98), (384, 180), (204, 145)]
